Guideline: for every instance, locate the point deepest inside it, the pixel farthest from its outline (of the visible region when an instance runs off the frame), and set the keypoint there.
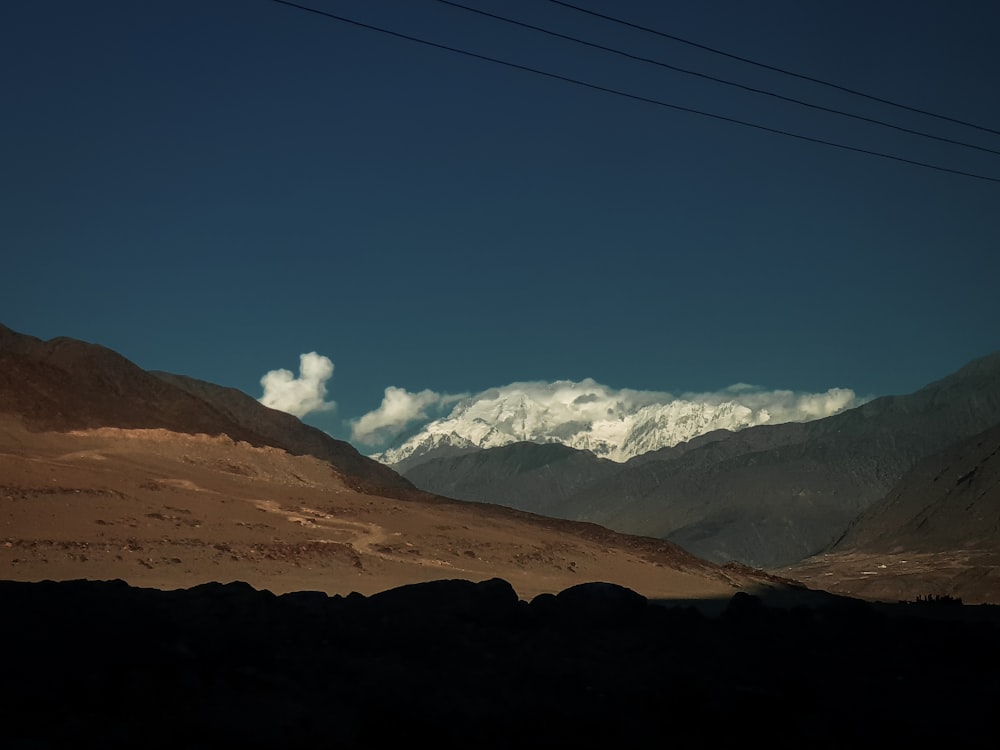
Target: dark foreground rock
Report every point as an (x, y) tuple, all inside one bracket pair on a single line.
[(461, 664)]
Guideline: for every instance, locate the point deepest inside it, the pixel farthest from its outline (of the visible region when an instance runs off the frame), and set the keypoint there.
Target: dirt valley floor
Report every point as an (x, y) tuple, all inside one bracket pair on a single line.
[(972, 576), (168, 510)]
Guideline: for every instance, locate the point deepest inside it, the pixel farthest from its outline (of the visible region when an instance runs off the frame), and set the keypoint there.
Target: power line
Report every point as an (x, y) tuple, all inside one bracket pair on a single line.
[(716, 79), (635, 97), (774, 68)]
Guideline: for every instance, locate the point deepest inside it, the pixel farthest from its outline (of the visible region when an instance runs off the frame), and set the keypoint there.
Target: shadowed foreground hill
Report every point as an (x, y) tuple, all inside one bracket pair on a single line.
[(462, 665)]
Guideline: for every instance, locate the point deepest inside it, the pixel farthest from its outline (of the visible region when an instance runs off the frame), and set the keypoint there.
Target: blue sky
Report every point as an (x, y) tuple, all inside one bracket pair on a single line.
[(215, 187)]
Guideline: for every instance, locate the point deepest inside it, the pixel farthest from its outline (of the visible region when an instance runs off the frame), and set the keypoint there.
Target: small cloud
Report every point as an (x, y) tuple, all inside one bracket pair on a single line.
[(303, 394), (399, 409), (819, 405), (783, 405)]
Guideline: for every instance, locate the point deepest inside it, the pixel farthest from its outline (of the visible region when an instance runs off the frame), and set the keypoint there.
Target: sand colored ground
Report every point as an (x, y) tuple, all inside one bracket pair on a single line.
[(166, 510), (970, 575)]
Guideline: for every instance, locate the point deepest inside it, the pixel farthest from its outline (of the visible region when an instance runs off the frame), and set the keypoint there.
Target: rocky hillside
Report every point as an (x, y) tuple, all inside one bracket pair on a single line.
[(948, 501), (936, 533), (64, 384), (286, 431)]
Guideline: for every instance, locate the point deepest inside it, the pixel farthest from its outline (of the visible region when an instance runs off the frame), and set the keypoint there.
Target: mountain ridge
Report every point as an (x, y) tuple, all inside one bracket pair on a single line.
[(65, 384), (617, 425), (948, 500), (770, 495), (936, 531)]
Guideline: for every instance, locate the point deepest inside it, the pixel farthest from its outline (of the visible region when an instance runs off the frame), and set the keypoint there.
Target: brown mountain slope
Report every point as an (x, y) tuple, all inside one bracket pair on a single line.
[(65, 384), (168, 510), (283, 430)]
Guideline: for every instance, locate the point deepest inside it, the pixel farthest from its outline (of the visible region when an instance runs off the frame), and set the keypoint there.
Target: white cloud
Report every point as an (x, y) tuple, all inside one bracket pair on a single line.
[(782, 405), (399, 409), (303, 394)]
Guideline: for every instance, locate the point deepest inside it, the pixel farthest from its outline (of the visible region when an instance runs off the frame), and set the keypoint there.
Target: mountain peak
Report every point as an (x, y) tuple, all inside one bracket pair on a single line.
[(612, 424)]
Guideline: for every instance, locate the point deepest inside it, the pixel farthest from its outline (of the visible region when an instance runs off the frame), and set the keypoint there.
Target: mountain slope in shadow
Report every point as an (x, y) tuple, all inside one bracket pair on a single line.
[(948, 501), (936, 533), (766, 496)]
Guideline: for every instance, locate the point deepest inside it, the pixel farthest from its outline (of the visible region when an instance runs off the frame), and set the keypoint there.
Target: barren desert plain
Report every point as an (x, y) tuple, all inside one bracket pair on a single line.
[(169, 510)]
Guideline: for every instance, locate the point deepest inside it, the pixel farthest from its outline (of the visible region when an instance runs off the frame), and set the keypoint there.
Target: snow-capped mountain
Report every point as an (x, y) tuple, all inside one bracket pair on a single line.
[(611, 423)]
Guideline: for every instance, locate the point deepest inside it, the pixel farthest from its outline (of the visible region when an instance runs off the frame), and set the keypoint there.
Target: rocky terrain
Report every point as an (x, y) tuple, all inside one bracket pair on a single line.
[(165, 509), (65, 384)]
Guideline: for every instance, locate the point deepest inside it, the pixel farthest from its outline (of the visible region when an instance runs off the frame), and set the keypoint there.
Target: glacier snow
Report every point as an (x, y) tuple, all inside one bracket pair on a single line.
[(616, 424)]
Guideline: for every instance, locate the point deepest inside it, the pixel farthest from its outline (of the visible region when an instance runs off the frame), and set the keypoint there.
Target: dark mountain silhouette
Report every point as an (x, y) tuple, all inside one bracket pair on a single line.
[(542, 477), (766, 496), (65, 384)]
